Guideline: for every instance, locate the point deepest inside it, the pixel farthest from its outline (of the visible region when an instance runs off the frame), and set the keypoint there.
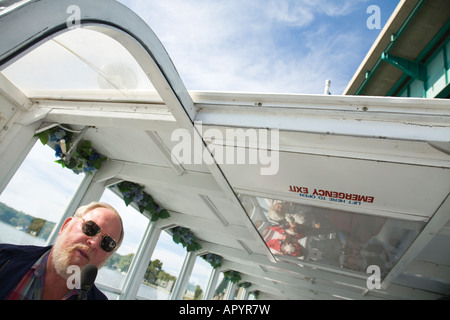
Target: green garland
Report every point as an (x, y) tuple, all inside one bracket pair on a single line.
[(187, 239), (83, 159), (233, 276), (214, 260), (245, 285), (133, 192)]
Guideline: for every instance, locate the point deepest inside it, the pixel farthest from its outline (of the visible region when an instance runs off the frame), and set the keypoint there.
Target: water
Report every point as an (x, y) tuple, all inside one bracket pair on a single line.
[(9, 234), (105, 278), (112, 278)]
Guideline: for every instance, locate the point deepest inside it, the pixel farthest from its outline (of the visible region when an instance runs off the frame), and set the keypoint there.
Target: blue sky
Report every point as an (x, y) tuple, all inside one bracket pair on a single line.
[(280, 46)]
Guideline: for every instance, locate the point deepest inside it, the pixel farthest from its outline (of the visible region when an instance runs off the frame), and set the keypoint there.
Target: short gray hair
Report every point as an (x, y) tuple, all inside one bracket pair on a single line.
[(83, 210)]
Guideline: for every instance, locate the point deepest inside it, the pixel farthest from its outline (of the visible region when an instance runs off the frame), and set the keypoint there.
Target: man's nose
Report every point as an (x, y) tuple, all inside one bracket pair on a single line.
[(95, 240)]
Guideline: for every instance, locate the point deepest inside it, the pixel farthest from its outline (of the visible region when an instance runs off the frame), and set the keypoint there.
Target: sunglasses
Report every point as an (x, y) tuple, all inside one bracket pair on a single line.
[(91, 229)]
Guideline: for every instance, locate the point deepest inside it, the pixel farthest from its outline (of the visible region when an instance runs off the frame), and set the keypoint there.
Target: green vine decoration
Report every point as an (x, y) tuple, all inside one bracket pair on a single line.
[(133, 192), (245, 285), (256, 294), (213, 259), (233, 276), (187, 239), (83, 159)]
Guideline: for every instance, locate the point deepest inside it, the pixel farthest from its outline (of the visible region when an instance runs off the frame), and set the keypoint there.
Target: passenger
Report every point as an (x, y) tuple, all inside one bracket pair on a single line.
[(91, 236), (282, 242), (282, 211), (276, 211)]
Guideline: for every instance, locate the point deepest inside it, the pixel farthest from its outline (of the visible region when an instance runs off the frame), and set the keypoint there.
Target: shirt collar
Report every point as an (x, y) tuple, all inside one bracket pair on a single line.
[(39, 268), (40, 265)]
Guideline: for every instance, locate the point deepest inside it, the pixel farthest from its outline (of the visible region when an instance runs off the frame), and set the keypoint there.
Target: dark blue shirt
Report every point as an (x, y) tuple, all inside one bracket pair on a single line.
[(16, 260)]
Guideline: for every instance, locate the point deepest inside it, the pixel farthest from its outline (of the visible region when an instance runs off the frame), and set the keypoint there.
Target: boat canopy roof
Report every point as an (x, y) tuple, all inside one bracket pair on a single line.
[(300, 194)]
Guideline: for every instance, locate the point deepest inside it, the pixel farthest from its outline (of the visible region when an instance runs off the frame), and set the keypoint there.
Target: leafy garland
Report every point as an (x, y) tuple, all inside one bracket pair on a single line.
[(189, 241), (83, 159), (133, 192), (186, 238), (233, 276), (213, 259), (245, 285)]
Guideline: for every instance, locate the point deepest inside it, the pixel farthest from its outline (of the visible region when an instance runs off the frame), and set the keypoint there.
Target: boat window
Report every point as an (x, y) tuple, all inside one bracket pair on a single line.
[(198, 280), (236, 293), (163, 269), (330, 238), (222, 287), (111, 276), (79, 60), (253, 295), (36, 197)]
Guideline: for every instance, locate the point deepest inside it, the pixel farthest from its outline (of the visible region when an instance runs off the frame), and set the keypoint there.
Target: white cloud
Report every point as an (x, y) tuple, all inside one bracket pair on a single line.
[(333, 7), (265, 46)]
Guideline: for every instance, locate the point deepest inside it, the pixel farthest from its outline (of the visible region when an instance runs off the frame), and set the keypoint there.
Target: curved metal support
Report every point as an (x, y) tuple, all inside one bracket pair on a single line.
[(29, 24), (413, 69)]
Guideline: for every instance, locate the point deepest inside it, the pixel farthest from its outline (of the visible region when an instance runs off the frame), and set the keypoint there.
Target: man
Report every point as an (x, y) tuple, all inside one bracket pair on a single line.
[(40, 273)]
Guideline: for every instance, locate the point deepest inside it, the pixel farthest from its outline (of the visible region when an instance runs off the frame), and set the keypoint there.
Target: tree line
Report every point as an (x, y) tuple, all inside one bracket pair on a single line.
[(35, 226), (154, 275)]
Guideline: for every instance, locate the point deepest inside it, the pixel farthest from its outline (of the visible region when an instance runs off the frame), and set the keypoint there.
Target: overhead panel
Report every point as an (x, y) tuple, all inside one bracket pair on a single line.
[(79, 60), (338, 209), (376, 187)]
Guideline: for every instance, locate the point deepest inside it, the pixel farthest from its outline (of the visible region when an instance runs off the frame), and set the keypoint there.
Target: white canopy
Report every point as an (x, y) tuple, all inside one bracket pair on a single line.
[(367, 178)]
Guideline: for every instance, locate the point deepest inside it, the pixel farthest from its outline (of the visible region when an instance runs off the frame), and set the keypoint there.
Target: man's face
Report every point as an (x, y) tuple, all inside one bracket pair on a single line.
[(277, 207), (73, 247)]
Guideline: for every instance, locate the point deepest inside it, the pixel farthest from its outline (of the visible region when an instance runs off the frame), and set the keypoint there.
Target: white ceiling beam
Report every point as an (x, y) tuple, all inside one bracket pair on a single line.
[(366, 104), (109, 115), (165, 152), (192, 181), (264, 295), (287, 292), (14, 95), (405, 152), (432, 271), (375, 117), (205, 225)]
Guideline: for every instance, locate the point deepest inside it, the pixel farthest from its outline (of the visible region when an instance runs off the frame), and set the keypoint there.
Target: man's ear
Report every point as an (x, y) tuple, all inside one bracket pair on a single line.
[(65, 224)]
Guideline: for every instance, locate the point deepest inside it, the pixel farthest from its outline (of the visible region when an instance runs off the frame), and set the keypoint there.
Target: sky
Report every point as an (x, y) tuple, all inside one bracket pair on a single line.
[(270, 46), (279, 46)]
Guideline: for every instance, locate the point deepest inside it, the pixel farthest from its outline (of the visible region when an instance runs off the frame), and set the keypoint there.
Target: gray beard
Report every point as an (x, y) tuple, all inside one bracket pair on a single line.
[(62, 255)]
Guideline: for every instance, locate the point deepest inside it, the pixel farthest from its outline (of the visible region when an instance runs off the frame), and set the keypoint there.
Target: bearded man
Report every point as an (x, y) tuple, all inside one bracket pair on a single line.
[(90, 236)]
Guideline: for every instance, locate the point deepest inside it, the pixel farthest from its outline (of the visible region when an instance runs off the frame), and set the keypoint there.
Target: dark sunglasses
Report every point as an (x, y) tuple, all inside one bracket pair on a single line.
[(91, 229)]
